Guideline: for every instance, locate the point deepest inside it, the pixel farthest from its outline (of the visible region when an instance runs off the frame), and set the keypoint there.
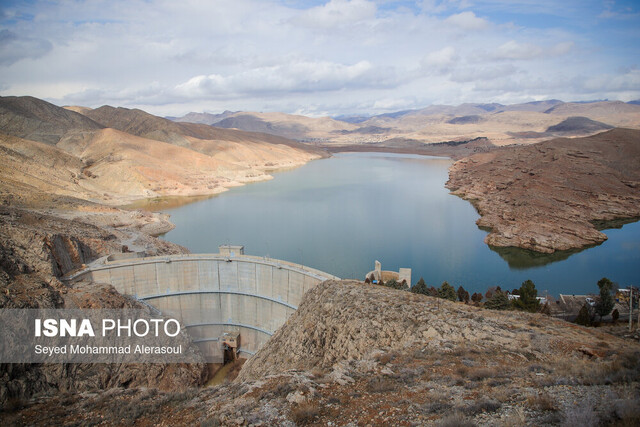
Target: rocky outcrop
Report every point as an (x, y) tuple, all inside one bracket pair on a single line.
[(555, 195), (36, 248), (339, 321)]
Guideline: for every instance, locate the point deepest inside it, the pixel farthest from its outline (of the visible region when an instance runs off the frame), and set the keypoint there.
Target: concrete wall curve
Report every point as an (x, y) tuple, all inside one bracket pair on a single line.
[(212, 293)]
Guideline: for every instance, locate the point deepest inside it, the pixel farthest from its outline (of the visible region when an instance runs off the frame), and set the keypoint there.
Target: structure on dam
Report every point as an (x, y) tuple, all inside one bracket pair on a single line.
[(213, 295)]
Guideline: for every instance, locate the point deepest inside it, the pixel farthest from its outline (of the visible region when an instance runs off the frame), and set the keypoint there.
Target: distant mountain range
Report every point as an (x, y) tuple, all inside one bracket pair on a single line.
[(502, 124)]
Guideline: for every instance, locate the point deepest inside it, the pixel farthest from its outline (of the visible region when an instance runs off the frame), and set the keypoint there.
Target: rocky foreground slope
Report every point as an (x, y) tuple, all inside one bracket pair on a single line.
[(356, 354), (555, 195)]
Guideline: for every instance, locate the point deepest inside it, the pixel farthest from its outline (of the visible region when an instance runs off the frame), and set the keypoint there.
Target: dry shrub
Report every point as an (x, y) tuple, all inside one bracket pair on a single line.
[(381, 384), (580, 416), (304, 413), (503, 395), (516, 418), (456, 420), (462, 370), (479, 374), (435, 407), (625, 412), (541, 402), (482, 405), (385, 358), (620, 369)]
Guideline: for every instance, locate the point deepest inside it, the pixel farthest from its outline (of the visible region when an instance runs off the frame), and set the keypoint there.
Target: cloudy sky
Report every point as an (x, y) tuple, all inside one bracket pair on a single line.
[(317, 57)]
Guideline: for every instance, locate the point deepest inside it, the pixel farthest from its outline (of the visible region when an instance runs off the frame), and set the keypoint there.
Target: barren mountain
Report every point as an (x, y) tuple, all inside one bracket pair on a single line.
[(115, 155), (502, 124), (32, 118), (287, 125), (548, 196), (615, 113), (577, 125), (204, 118)]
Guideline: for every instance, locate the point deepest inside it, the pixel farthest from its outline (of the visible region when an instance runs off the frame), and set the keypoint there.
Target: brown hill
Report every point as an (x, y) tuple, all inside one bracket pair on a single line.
[(546, 197), (616, 113), (125, 154), (38, 120), (140, 123), (576, 125)]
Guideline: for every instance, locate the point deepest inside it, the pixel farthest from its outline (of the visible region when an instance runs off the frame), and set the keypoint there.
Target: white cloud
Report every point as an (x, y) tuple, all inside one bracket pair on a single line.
[(629, 81), (442, 58), (14, 47), (467, 21), (515, 50), (333, 56), (483, 73), (337, 13), (298, 76)]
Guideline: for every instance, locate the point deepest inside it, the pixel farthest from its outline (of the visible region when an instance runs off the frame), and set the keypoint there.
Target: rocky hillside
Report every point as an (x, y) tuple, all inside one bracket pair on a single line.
[(356, 354), (33, 119), (555, 195), (38, 246), (340, 321)]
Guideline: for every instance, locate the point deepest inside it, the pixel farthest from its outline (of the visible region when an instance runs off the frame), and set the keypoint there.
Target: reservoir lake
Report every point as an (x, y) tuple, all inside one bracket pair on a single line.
[(341, 214)]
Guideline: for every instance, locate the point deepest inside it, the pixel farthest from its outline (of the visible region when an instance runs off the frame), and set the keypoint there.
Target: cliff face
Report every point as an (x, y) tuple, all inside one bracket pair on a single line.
[(547, 197)]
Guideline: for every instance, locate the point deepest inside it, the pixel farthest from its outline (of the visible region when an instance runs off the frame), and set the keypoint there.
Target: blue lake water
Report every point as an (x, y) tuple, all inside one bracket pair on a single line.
[(341, 214)]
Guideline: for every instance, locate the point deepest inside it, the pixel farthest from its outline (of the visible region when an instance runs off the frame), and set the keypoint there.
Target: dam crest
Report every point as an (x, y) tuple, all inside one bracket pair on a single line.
[(212, 295)]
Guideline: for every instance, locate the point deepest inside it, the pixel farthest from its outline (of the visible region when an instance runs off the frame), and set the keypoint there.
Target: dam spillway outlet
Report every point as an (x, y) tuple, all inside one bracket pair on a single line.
[(214, 296)]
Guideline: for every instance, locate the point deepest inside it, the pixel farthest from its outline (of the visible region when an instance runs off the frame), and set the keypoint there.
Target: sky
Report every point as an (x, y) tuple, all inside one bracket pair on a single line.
[(315, 57)]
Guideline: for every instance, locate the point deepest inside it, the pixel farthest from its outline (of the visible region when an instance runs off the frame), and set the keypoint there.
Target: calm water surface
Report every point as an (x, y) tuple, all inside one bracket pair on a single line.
[(341, 214)]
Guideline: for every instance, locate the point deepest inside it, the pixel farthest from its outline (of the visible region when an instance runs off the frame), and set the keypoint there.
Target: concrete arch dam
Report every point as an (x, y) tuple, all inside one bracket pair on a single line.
[(212, 294)]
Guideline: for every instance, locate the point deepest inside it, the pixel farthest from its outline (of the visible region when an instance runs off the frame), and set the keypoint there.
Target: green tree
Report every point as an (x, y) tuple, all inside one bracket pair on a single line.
[(527, 300), (433, 291), (584, 317), (499, 301), (463, 295), (446, 291), (394, 284), (420, 288), (605, 302)]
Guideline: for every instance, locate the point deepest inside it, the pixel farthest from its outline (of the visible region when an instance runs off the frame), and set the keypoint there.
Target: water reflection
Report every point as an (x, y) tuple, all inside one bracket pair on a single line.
[(523, 259)]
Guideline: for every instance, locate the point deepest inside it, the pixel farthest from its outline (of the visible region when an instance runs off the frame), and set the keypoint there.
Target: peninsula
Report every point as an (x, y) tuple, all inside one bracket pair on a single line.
[(555, 195)]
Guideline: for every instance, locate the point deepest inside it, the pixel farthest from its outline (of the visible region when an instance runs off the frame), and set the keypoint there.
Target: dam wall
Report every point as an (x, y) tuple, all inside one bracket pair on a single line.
[(212, 294)]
